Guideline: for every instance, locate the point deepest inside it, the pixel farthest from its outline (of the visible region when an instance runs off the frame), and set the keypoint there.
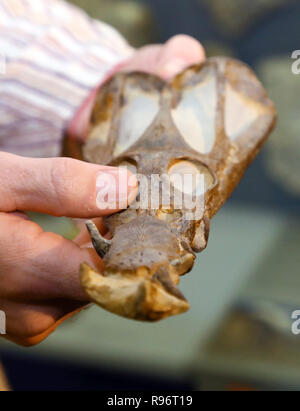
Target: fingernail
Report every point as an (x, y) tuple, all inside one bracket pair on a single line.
[(113, 190)]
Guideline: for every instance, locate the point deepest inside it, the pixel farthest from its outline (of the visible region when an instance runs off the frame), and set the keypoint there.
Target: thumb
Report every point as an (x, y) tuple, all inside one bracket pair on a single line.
[(178, 53), (63, 187)]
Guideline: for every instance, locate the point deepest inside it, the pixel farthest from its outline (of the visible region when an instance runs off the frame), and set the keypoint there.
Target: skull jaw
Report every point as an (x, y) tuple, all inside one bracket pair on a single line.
[(130, 296), (140, 278)]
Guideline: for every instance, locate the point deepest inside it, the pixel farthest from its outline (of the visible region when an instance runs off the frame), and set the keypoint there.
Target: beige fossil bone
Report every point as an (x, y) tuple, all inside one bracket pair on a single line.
[(211, 119)]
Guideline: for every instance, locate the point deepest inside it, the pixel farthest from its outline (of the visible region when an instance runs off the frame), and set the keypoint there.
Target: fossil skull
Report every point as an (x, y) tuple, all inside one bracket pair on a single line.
[(211, 120)]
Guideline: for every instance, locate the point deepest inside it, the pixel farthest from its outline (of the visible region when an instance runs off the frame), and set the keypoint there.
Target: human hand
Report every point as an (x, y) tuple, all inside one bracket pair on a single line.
[(38, 270)]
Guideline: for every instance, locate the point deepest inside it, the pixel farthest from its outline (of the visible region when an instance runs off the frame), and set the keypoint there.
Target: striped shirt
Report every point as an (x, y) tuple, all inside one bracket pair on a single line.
[(51, 56)]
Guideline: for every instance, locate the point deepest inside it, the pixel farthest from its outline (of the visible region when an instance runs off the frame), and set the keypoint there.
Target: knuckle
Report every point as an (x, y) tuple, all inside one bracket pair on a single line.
[(61, 181)]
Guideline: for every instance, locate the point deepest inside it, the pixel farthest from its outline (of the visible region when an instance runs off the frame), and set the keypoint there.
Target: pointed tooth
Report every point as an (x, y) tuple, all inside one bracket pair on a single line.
[(101, 244), (199, 242), (164, 277)]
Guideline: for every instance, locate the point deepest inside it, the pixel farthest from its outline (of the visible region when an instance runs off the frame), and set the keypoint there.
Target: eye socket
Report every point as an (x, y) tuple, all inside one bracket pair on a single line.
[(186, 176), (195, 114), (139, 109)]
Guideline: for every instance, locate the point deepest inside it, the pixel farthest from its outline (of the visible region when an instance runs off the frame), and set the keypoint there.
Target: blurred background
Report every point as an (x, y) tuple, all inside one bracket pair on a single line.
[(245, 286)]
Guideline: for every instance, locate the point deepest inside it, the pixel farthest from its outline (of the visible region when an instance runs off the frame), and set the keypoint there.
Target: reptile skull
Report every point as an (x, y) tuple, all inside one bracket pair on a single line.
[(211, 121)]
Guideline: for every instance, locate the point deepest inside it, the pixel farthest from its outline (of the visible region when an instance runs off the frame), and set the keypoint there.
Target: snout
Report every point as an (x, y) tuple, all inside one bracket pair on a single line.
[(142, 269)]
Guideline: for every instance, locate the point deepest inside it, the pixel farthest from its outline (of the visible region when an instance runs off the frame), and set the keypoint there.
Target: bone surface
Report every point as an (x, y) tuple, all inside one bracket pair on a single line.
[(211, 120)]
